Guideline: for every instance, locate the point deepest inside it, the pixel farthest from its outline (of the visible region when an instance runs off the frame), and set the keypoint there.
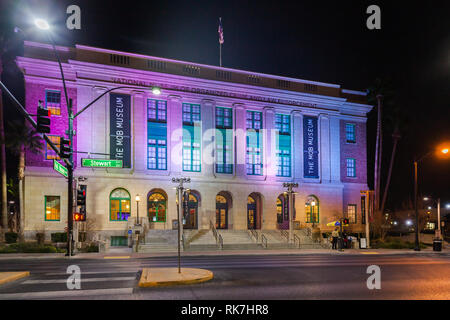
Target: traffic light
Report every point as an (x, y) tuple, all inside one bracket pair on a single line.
[(81, 201), (77, 216), (345, 221), (43, 120), (64, 147)]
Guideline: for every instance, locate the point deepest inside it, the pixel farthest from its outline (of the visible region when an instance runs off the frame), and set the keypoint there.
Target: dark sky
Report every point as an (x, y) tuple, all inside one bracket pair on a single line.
[(315, 40)]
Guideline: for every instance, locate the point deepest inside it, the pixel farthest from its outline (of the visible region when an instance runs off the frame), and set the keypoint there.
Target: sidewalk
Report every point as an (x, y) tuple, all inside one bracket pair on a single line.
[(116, 255)]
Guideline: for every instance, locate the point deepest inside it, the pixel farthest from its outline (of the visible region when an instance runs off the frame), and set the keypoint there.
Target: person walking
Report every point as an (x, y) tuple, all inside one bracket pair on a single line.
[(335, 236)]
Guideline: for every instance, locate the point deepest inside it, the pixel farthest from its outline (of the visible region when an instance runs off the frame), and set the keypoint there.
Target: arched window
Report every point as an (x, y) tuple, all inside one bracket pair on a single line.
[(157, 205), (312, 209), (119, 205)]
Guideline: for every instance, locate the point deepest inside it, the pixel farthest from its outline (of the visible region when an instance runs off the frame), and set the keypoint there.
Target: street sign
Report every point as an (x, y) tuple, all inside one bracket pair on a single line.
[(58, 167), (101, 163)]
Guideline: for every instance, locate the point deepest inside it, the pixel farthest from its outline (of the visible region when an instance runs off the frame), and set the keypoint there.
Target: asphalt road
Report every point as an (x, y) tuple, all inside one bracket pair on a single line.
[(258, 277)]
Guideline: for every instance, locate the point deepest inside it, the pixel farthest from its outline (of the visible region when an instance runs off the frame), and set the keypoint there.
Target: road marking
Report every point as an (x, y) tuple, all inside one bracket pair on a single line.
[(370, 252), (117, 257), (82, 280), (66, 293), (93, 272)]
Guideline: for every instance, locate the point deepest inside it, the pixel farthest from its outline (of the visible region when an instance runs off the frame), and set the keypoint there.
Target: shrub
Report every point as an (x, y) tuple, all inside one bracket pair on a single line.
[(59, 237), (11, 237), (40, 237), (91, 248), (24, 247)]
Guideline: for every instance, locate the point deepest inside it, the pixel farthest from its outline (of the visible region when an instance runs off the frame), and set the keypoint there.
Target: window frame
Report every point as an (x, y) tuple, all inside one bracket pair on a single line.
[(227, 149), (259, 145), (352, 133), (157, 146), (45, 208), (351, 168), (52, 107), (48, 148), (148, 207), (120, 204), (355, 213), (279, 151), (192, 150)]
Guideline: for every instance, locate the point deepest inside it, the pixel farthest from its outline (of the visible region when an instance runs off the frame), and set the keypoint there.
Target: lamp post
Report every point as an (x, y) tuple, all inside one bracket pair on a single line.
[(43, 25), (179, 200), (137, 208), (444, 151), (290, 192)]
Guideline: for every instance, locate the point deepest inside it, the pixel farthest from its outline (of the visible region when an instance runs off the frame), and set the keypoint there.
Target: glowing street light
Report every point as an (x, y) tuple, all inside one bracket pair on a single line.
[(41, 24), (156, 90), (445, 150)]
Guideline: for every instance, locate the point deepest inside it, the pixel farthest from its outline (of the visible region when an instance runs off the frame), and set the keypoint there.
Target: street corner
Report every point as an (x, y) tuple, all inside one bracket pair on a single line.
[(6, 277), (159, 277)]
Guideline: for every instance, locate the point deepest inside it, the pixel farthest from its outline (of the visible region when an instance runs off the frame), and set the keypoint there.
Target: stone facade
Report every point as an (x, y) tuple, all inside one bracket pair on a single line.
[(90, 73)]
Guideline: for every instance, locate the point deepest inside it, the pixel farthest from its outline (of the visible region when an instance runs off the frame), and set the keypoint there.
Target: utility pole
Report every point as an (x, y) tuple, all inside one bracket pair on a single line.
[(290, 192)]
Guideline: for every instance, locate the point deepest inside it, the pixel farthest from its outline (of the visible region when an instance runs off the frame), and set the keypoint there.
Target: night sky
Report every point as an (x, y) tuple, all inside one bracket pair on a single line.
[(317, 40)]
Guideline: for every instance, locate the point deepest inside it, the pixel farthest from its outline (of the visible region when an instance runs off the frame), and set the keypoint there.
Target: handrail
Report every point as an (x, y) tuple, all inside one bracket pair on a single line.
[(264, 241), (216, 235), (254, 234), (285, 234), (183, 242), (297, 239)]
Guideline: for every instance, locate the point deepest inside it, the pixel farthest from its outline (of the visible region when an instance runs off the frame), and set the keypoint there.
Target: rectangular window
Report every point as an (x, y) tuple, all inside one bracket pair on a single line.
[(351, 213), (351, 172), (52, 208), (283, 147), (191, 137), (254, 160), (350, 132), (224, 140), (156, 134), (53, 102), (50, 154), (363, 210)]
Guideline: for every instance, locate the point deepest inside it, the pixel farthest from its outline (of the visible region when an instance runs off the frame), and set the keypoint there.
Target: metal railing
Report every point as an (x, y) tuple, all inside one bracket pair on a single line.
[(264, 241), (217, 236), (285, 234), (183, 242), (296, 240), (254, 234)]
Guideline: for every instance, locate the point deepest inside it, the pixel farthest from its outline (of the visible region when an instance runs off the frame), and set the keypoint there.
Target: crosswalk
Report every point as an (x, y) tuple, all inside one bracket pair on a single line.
[(53, 285)]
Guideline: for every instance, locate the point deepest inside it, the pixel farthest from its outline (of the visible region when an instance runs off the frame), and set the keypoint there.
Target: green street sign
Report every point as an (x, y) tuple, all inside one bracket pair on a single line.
[(58, 167), (101, 163)]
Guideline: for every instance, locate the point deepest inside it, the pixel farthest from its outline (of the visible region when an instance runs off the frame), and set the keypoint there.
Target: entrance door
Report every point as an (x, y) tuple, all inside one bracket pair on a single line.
[(221, 212), (282, 212), (251, 213), (190, 211)]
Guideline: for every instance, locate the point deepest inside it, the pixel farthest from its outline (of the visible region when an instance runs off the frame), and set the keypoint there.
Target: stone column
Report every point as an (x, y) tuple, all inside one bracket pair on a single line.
[(174, 135), (207, 116), (100, 122), (335, 149), (269, 144), (297, 146), (240, 140), (139, 131), (324, 140)]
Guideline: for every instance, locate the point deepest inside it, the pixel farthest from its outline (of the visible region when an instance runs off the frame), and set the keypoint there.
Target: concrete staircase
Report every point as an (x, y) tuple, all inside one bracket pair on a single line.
[(159, 241), (238, 240), (199, 240), (307, 242), (275, 240)]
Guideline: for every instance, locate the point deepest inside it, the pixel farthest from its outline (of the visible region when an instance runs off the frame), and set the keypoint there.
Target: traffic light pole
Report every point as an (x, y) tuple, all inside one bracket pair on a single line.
[(70, 239)]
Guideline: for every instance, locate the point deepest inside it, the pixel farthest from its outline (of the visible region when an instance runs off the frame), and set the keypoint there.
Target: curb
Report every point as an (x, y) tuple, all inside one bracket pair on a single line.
[(159, 277), (6, 277)]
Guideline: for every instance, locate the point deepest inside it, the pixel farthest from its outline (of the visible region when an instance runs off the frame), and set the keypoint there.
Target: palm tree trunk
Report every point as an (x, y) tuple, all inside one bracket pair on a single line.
[(377, 148), (21, 196), (3, 162), (380, 157), (396, 137)]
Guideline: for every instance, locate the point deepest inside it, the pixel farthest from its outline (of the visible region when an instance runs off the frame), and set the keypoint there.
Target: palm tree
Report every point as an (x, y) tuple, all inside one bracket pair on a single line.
[(380, 91), (3, 150), (21, 137)]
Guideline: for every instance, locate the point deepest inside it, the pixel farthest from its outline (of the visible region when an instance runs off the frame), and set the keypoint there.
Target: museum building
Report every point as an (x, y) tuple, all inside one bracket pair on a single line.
[(238, 136)]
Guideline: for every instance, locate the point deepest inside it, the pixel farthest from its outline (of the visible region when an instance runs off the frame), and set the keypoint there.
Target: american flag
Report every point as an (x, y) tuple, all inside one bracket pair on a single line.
[(220, 31)]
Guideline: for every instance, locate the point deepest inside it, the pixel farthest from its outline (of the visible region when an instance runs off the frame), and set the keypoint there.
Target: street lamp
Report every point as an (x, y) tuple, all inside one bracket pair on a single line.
[(137, 207), (179, 199), (42, 24), (290, 192), (443, 150)]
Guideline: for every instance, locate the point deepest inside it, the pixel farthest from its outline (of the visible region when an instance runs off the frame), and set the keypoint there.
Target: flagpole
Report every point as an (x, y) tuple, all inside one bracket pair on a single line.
[(220, 53)]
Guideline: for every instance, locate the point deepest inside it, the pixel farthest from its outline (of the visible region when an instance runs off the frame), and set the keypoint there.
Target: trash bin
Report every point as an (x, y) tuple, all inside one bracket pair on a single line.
[(437, 244)]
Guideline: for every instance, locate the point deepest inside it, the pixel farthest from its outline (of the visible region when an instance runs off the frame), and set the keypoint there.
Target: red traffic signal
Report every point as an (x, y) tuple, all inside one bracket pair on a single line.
[(64, 147), (76, 217), (345, 221)]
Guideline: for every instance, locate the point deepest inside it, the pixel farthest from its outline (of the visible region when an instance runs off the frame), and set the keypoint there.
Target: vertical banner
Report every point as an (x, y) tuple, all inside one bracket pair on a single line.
[(120, 133), (310, 147)]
